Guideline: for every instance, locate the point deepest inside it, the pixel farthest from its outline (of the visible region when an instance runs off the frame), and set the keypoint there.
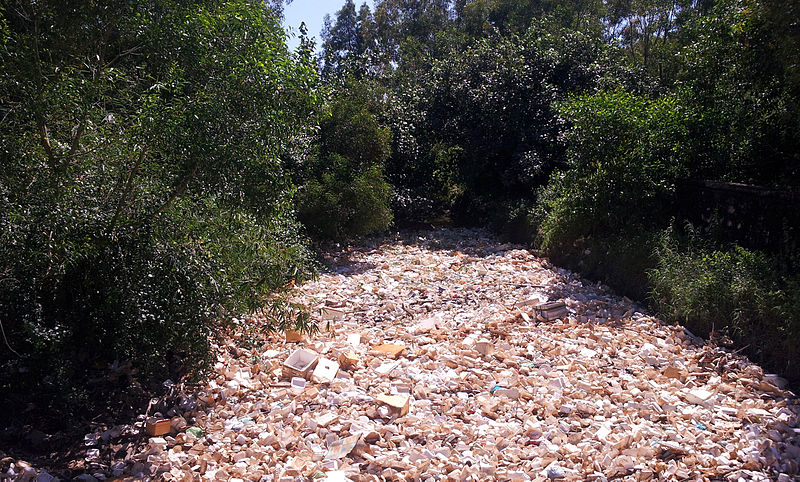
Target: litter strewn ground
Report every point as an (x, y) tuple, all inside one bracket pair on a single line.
[(433, 364)]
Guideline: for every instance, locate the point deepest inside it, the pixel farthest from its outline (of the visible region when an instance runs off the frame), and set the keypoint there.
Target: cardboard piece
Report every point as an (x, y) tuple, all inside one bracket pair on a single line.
[(672, 372), (389, 349), (155, 427), (551, 311), (348, 360), (294, 336)]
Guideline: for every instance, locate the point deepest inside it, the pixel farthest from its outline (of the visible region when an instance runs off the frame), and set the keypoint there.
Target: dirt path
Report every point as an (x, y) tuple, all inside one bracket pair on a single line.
[(604, 392)]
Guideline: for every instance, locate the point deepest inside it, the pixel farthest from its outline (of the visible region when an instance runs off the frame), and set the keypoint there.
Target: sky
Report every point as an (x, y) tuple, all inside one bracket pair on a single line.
[(311, 12)]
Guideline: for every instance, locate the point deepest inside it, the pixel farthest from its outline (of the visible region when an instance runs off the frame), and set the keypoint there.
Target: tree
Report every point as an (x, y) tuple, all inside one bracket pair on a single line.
[(740, 71), (343, 191), (143, 197), (407, 29), (346, 41), (482, 123)]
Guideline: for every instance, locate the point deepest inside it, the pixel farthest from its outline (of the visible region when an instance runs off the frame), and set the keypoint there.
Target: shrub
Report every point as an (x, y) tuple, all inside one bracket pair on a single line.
[(343, 191), (346, 204), (625, 153), (748, 295)]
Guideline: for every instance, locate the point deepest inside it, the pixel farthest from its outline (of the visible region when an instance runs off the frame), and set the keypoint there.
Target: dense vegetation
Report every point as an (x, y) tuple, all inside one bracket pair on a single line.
[(574, 125), (168, 164), (144, 198)]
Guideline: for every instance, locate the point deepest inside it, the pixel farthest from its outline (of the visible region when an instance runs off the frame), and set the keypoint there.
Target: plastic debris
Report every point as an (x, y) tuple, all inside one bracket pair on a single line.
[(555, 472), (298, 385), (300, 364), (603, 391), (325, 371), (332, 314), (340, 448), (699, 396), (399, 403)]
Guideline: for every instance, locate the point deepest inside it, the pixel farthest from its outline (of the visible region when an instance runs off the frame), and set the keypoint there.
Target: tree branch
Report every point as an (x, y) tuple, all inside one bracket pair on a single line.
[(40, 122), (179, 189), (76, 138), (6, 340), (130, 51), (128, 187)]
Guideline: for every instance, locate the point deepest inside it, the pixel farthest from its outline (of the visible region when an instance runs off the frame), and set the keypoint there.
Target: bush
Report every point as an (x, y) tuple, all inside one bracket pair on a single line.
[(481, 122), (625, 154), (343, 191), (346, 204), (740, 71), (143, 201), (750, 296)]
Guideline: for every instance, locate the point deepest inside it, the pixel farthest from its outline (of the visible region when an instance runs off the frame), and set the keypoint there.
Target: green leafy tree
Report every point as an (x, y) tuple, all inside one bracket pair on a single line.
[(143, 196), (408, 31), (343, 191), (740, 70), (625, 154), (485, 119), (342, 41)]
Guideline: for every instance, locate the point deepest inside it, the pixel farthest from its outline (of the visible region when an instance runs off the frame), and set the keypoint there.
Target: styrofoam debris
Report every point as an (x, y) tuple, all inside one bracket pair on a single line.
[(602, 391)]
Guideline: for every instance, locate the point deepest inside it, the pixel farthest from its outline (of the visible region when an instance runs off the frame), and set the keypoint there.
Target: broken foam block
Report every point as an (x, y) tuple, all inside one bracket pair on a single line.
[(398, 403)]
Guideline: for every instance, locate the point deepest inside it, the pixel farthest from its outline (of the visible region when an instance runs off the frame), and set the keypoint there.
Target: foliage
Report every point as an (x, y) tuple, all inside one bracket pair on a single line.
[(740, 69), (406, 30), (143, 200), (346, 41), (482, 123), (481, 17), (625, 153), (343, 203), (744, 294), (343, 192)]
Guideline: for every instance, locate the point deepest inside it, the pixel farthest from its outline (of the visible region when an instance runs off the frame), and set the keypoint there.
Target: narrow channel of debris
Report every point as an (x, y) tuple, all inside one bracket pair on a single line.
[(438, 361)]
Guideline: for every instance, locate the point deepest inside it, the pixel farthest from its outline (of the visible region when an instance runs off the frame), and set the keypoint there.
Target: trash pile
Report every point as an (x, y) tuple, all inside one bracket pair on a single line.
[(449, 356)]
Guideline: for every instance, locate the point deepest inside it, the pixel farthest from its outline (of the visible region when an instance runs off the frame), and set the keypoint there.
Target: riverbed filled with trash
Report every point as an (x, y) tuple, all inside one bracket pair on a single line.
[(448, 355)]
